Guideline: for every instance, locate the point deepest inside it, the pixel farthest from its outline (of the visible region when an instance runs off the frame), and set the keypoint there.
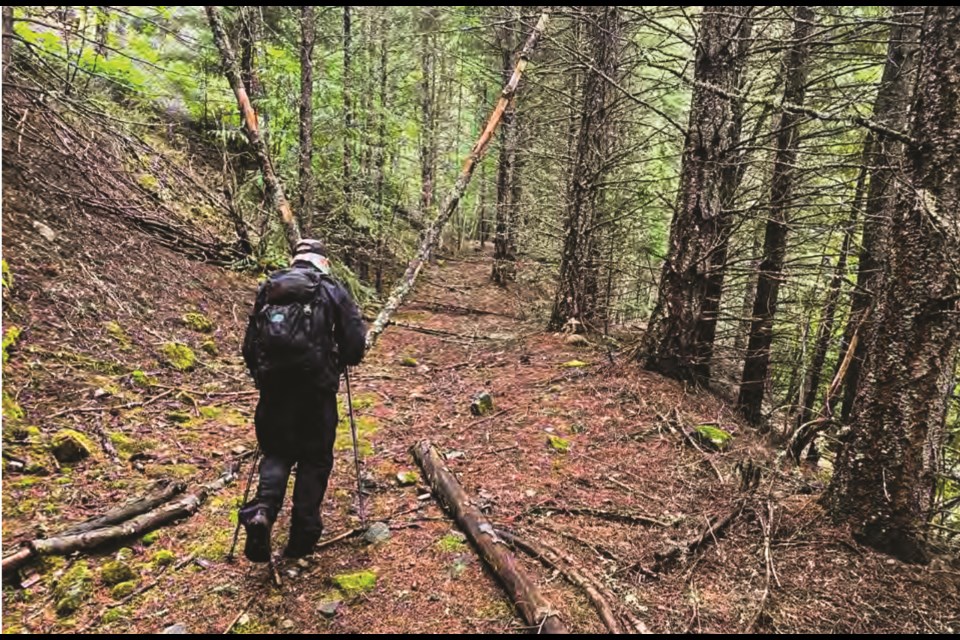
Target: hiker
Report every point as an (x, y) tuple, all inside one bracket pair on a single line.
[(304, 331)]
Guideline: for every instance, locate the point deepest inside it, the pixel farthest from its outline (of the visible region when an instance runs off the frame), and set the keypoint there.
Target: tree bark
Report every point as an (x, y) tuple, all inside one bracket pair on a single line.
[(428, 108), (679, 339), (273, 186), (884, 156), (754, 380), (307, 39), (882, 481), (578, 290), (7, 38), (432, 235), (524, 594), (507, 178)]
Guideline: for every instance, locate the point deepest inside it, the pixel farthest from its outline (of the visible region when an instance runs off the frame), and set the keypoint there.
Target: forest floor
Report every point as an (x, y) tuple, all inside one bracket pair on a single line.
[(777, 568), (583, 451)]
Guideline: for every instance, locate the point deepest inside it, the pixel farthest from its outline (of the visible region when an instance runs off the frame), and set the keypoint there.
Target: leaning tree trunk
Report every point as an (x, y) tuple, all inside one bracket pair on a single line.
[(432, 234), (754, 380), (679, 338), (307, 38), (882, 483), (273, 187), (884, 156), (578, 287)]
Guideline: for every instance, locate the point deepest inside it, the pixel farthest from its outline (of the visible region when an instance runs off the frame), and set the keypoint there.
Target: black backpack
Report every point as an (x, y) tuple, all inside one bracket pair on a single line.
[(294, 328)]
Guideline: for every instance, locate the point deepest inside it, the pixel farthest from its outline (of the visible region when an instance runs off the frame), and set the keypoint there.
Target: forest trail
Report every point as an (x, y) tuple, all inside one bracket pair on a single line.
[(457, 336)]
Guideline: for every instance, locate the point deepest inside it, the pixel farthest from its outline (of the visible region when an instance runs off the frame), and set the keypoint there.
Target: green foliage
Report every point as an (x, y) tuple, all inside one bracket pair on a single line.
[(558, 444), (11, 408), (452, 543), (141, 379), (7, 276)]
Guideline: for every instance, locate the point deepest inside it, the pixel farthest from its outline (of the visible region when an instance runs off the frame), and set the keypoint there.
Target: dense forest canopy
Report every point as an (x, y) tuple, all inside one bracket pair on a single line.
[(762, 202)]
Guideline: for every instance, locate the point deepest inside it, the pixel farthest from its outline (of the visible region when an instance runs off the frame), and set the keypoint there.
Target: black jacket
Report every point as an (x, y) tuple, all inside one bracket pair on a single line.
[(349, 334)]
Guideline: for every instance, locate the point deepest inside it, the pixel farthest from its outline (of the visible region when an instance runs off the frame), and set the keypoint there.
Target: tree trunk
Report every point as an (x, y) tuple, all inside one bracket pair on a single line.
[(347, 110), (679, 339), (273, 187), (884, 156), (882, 482), (307, 38), (522, 591), (428, 109), (381, 144), (503, 250), (432, 235), (578, 289), (755, 369), (7, 38)]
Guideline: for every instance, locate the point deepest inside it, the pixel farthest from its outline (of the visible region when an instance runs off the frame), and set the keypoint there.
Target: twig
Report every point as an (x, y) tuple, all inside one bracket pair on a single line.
[(240, 614), (632, 518)]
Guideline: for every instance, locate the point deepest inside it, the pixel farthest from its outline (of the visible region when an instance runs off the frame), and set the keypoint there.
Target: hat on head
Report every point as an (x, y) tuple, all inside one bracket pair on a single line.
[(313, 252)]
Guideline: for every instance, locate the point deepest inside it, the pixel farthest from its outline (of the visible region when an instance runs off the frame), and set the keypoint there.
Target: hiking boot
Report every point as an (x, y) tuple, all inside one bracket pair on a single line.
[(300, 545), (257, 525)]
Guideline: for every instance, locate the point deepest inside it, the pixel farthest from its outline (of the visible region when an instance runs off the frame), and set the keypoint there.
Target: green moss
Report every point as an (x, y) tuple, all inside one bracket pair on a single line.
[(180, 417), (210, 412), (451, 543), (179, 356), (364, 400), (711, 436), (214, 545), (198, 322), (408, 361), (163, 557), (209, 347), (11, 408), (7, 277), (141, 379), (116, 614), (69, 445), (149, 182), (21, 433), (117, 333), (10, 337), (150, 538), (366, 427), (407, 478), (24, 483), (73, 588), (127, 446), (115, 572), (482, 404), (574, 364), (354, 584), (561, 445), (123, 589)]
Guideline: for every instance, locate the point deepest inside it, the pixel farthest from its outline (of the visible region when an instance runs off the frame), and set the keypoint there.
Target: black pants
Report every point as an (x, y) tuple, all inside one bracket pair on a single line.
[(296, 424)]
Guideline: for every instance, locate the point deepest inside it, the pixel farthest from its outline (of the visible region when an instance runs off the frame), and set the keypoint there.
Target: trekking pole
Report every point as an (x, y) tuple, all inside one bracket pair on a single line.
[(246, 498), (356, 451)]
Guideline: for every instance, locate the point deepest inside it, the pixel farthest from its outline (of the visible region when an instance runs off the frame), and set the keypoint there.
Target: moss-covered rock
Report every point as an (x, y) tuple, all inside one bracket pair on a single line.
[(121, 590), (163, 557), (115, 614), (354, 584), (73, 588), (482, 404), (198, 322), (209, 347), (713, 437), (25, 434), (127, 446), (179, 356), (407, 478), (70, 446), (558, 444), (117, 571)]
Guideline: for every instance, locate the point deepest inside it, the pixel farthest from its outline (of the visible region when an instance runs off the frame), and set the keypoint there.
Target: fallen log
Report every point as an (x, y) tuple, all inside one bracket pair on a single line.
[(135, 526), (128, 510), (522, 591), (553, 559), (615, 516), (432, 236)]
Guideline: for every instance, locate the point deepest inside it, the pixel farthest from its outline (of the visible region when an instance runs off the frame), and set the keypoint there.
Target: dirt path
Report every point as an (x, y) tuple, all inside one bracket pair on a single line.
[(458, 336)]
